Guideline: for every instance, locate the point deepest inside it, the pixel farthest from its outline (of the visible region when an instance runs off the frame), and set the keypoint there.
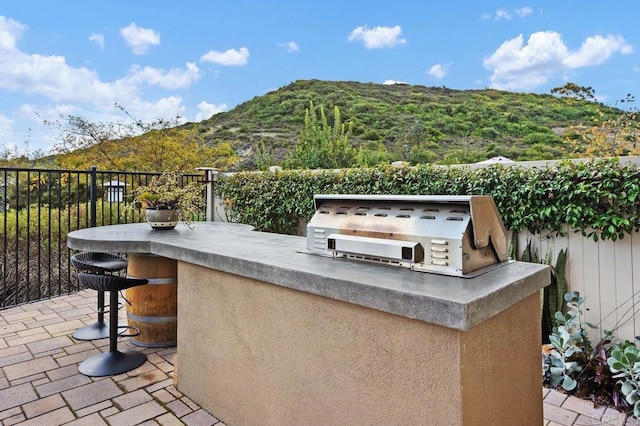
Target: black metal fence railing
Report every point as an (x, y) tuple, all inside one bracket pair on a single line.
[(38, 207)]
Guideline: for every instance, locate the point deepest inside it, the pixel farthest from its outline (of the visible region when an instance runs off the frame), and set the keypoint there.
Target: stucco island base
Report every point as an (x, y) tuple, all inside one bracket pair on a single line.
[(255, 353)]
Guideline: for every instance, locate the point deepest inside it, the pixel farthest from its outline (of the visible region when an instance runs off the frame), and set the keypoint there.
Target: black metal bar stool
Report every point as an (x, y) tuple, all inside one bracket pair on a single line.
[(99, 263), (114, 361)]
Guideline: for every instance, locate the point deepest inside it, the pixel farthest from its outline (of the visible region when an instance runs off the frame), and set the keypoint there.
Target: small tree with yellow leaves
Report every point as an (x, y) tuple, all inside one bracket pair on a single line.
[(608, 136)]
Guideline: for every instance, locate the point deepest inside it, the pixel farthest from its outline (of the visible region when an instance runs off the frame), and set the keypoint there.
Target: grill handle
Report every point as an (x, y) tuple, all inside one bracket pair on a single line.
[(487, 226), (399, 250)]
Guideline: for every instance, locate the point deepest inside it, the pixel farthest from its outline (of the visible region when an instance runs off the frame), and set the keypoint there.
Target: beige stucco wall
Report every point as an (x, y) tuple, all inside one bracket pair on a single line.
[(501, 368), (260, 354)]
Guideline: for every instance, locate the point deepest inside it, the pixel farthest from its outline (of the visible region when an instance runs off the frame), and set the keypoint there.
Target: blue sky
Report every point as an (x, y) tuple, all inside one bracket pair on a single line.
[(160, 59)]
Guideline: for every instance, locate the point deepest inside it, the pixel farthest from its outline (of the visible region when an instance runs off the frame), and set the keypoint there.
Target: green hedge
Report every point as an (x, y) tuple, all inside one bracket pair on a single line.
[(600, 198)]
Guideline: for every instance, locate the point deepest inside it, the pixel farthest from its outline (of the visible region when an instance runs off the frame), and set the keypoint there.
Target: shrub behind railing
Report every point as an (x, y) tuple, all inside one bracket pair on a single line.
[(36, 259)]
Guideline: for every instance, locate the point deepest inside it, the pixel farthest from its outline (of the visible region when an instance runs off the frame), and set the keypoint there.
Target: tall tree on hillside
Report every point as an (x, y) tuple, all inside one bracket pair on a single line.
[(322, 145), (572, 90), (132, 144)]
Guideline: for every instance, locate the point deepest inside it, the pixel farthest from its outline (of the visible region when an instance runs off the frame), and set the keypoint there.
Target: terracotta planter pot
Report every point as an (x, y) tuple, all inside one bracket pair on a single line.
[(162, 218)]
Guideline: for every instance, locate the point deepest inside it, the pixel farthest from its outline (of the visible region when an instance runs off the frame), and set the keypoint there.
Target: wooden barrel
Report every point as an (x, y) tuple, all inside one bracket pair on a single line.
[(154, 306)]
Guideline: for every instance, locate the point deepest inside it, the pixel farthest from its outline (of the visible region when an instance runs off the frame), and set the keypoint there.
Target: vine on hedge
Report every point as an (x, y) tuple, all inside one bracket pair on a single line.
[(599, 198)]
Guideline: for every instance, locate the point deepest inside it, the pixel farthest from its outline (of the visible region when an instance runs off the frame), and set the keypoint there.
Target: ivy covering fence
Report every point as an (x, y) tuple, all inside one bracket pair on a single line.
[(599, 198)]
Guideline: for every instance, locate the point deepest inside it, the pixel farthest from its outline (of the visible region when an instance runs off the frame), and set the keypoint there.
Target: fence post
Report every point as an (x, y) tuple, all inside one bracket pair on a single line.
[(92, 223), (210, 178), (92, 196)]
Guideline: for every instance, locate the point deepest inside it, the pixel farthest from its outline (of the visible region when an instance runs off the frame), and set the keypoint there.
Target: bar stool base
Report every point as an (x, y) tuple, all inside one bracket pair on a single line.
[(111, 363), (95, 331)]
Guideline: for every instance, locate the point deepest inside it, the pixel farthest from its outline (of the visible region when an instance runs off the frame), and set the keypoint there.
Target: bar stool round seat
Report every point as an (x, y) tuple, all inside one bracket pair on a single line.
[(99, 263), (90, 261), (114, 361)]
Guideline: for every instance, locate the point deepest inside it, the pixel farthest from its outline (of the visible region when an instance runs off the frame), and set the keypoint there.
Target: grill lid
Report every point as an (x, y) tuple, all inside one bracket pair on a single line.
[(452, 235)]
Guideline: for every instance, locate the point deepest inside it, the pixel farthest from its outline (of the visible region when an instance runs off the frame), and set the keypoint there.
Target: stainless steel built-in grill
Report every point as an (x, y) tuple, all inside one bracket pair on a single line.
[(453, 235)]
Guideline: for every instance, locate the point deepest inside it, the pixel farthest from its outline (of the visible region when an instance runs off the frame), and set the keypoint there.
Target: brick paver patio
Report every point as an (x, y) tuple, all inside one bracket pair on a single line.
[(40, 384), (560, 409)]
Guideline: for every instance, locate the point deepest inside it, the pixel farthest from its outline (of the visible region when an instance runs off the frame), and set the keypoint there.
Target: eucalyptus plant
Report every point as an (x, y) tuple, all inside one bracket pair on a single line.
[(570, 342), (591, 372)]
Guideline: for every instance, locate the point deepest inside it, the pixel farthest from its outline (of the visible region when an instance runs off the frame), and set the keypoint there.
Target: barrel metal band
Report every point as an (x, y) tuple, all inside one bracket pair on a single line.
[(141, 318), (154, 344), (168, 280)]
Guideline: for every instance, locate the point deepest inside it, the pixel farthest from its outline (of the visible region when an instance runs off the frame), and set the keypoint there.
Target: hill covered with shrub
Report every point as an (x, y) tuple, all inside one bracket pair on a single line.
[(411, 123)]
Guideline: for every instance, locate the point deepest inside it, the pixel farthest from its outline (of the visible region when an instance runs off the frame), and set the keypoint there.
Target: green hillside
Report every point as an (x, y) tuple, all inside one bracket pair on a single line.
[(412, 123)]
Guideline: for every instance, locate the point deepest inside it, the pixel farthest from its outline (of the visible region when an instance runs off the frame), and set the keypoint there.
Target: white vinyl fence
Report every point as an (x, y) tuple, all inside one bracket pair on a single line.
[(607, 273)]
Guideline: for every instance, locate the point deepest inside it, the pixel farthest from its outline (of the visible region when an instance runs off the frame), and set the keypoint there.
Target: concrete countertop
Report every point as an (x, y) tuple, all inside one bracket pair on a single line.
[(453, 302)]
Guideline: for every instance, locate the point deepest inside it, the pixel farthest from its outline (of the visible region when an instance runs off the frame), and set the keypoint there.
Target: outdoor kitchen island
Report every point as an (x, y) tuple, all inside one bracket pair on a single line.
[(270, 335)]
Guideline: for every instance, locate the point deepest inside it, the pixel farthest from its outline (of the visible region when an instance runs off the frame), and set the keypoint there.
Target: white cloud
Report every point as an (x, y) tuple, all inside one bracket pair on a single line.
[(97, 39), (439, 71), (79, 90), (33, 115), (290, 46), (229, 57), (524, 11), (207, 110), (10, 32), (6, 128), (173, 79), (148, 111), (378, 37), (46, 112), (392, 82), (506, 15), (53, 78), (596, 50), (502, 14), (519, 66), (139, 39)]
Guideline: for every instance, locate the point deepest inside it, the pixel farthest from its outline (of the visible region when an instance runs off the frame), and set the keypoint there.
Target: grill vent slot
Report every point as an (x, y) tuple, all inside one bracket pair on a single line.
[(318, 238)]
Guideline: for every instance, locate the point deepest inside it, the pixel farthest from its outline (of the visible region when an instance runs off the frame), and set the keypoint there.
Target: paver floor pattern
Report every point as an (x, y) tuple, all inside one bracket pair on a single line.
[(40, 384)]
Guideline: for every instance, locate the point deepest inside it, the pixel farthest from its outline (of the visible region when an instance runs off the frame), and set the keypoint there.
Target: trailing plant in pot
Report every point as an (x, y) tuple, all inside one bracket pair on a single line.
[(166, 200)]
